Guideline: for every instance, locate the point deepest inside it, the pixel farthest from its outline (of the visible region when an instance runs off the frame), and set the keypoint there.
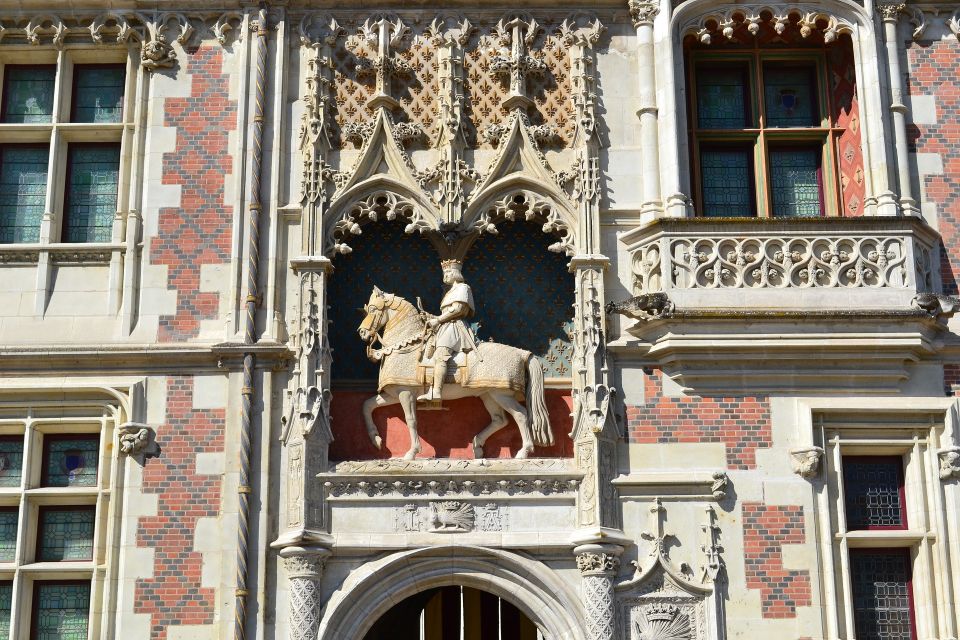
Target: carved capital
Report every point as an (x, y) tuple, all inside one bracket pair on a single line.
[(598, 560), (890, 11), (307, 566), (949, 463), (304, 567), (642, 12), (137, 439), (806, 461)]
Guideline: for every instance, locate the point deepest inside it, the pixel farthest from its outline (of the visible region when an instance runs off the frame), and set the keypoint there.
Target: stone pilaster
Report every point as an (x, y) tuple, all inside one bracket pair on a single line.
[(598, 565), (304, 566)]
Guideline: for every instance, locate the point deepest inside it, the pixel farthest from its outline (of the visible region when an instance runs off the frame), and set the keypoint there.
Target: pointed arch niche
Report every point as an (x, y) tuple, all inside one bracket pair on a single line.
[(518, 269)]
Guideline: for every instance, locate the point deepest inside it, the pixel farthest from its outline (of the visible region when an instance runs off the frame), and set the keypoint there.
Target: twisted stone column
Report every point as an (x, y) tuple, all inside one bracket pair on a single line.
[(304, 569), (598, 565)]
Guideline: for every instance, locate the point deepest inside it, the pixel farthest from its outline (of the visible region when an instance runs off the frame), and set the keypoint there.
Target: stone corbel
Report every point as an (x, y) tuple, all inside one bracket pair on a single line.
[(304, 567), (137, 440), (806, 461), (949, 463), (157, 51)]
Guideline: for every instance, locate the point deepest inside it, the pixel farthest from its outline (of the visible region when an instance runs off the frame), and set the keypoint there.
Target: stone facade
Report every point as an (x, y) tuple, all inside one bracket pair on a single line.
[(708, 382)]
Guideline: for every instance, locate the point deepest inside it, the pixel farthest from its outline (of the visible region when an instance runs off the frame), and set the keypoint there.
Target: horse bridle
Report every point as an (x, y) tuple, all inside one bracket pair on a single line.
[(375, 317)]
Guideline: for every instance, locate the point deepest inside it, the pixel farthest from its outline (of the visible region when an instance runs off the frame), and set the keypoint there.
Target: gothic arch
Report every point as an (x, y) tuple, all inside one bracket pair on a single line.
[(371, 590)]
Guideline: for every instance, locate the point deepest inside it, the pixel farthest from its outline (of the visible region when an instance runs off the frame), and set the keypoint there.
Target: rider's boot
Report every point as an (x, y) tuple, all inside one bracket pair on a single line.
[(434, 393)]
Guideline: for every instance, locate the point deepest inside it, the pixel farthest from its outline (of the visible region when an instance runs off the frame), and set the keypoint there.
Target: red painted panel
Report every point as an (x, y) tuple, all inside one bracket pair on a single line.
[(443, 434)]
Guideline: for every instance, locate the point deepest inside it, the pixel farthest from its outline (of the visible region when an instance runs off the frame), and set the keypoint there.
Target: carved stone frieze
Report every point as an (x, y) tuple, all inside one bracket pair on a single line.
[(442, 486), (806, 461), (805, 19), (451, 517)]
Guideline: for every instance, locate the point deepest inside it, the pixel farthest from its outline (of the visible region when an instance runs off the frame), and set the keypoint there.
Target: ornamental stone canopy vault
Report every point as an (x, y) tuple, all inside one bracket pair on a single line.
[(608, 320)]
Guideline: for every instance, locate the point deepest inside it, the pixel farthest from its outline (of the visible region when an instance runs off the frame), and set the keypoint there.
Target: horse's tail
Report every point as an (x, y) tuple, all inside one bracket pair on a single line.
[(537, 405)]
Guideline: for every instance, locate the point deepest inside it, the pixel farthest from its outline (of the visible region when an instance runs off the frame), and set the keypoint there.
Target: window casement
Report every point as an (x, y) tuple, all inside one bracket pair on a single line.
[(760, 134), (56, 483), (65, 121), (882, 522)]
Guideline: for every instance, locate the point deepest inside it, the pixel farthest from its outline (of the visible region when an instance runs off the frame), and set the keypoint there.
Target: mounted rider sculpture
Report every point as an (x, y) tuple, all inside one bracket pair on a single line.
[(417, 350)]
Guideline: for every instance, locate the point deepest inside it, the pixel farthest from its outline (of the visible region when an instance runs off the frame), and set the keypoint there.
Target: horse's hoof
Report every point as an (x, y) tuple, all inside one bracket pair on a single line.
[(410, 455), (378, 442), (524, 453), (477, 450)]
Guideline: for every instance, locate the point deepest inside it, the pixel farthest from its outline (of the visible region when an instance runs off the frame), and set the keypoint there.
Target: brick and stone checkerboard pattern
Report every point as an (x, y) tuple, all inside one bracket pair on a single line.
[(933, 72), (197, 232), (174, 595), (742, 424), (765, 530)]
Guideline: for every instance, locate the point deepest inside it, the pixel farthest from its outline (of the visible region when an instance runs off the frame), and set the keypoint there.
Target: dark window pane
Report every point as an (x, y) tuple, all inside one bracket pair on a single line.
[(881, 594), (70, 461), (65, 534), (8, 534), (727, 180), (98, 93), (23, 188), (91, 192), (722, 98), (6, 604), (790, 96), (11, 462), (795, 182), (873, 492), (60, 611), (28, 93)]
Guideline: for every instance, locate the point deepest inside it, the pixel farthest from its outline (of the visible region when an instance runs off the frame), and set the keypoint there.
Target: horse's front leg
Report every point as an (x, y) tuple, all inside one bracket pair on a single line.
[(408, 400), (369, 406)]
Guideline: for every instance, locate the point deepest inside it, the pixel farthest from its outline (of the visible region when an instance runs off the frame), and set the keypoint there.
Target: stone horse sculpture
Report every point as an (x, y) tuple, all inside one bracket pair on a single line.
[(497, 375)]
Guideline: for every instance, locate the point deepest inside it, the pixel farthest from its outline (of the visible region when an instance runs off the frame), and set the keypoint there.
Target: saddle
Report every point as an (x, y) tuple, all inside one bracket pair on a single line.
[(457, 371)]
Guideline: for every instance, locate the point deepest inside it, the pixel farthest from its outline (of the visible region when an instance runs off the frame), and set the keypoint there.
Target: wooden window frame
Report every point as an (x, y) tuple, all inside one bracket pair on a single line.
[(824, 136)]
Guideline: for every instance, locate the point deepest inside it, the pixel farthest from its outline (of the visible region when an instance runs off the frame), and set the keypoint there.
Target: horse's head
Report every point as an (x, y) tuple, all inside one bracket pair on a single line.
[(376, 315)]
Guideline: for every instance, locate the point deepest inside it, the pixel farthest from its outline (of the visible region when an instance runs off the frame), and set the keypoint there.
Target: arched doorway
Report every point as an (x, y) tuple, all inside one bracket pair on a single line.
[(454, 613)]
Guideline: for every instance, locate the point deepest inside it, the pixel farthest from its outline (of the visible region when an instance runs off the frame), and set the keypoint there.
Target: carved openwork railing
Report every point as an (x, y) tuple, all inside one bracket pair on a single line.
[(831, 263)]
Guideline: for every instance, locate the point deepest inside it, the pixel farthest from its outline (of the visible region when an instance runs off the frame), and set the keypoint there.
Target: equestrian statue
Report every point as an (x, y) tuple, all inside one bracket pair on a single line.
[(425, 359)]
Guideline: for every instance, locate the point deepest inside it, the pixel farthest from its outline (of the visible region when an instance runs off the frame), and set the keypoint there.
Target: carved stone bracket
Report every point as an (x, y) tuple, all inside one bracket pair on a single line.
[(304, 567), (806, 461), (137, 440), (949, 463)]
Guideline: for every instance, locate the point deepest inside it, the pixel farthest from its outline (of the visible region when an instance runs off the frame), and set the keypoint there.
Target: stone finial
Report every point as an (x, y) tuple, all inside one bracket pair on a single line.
[(949, 463), (806, 461)]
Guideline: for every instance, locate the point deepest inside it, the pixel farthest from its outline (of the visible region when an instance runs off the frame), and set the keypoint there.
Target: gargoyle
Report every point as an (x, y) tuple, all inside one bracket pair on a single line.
[(937, 305), (643, 307)]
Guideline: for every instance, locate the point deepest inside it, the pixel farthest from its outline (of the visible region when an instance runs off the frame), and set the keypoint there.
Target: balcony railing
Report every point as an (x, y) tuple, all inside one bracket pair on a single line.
[(811, 263)]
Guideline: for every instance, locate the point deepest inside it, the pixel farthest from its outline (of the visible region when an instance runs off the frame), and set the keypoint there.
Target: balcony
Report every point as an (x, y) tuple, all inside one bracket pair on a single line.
[(751, 304)]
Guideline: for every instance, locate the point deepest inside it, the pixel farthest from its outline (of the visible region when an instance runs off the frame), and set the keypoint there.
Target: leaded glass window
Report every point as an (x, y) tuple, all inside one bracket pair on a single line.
[(98, 93), (91, 201), (60, 610), (6, 605), (873, 492), (66, 533), (795, 182), (28, 93), (11, 461), (23, 188), (722, 98), (727, 181), (70, 460), (789, 96), (882, 597), (8, 533)]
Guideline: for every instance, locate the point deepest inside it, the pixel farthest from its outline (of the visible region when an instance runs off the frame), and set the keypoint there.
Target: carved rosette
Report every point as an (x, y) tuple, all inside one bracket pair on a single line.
[(304, 569)]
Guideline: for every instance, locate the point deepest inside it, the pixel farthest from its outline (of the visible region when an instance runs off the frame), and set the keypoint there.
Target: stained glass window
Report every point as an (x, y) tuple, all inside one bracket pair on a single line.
[(11, 461), (23, 187), (98, 93), (881, 594), (61, 610), (789, 96), (722, 98), (873, 492), (795, 182), (28, 93), (93, 175), (6, 604), (70, 461), (727, 179), (8, 533), (66, 533)]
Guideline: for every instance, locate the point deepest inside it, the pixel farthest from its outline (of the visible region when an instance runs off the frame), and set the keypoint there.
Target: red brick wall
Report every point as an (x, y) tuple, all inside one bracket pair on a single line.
[(741, 423), (173, 596), (933, 71), (197, 232), (765, 530)]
